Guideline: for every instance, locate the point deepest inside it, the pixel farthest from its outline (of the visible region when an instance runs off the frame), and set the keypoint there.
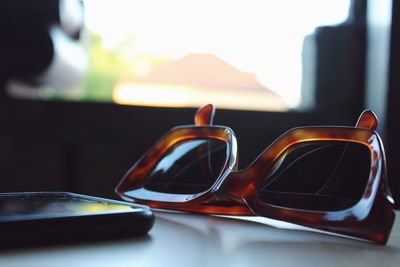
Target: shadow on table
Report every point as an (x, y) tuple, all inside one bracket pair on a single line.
[(234, 242), (66, 241)]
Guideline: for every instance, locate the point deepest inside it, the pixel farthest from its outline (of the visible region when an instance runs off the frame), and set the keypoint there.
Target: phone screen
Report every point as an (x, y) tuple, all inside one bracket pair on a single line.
[(23, 206), (37, 217)]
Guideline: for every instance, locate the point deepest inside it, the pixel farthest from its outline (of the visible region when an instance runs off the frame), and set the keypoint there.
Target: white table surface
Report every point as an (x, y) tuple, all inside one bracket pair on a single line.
[(179, 239)]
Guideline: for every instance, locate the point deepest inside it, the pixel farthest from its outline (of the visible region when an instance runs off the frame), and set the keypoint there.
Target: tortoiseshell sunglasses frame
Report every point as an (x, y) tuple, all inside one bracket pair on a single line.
[(235, 191)]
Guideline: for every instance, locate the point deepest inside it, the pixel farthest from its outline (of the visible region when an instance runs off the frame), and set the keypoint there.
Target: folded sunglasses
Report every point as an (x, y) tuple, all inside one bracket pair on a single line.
[(328, 178)]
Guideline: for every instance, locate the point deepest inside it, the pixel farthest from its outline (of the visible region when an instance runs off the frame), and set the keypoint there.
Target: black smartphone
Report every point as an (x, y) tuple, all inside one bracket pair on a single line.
[(41, 217)]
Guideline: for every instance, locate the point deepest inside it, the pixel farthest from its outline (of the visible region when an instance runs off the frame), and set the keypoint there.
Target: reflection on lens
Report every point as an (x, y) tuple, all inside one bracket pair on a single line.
[(189, 167), (323, 176)]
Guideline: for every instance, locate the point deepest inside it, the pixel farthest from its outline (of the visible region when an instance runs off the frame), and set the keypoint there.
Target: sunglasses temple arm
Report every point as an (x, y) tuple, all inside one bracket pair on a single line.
[(367, 120), (205, 115)]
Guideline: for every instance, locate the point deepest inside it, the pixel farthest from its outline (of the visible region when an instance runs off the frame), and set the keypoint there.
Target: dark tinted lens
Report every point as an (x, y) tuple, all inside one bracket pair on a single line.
[(324, 176), (189, 167)]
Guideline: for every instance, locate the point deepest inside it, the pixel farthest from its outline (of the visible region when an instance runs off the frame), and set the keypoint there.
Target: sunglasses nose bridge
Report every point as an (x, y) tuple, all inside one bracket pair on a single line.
[(235, 185)]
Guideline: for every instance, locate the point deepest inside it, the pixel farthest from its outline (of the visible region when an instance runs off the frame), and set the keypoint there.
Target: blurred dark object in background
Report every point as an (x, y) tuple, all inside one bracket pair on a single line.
[(40, 42)]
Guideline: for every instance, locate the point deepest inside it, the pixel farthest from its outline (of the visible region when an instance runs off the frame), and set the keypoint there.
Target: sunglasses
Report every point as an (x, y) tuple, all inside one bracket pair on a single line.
[(328, 178)]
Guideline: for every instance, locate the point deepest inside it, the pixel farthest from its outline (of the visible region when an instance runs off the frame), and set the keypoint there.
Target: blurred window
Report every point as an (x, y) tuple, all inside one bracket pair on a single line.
[(249, 55)]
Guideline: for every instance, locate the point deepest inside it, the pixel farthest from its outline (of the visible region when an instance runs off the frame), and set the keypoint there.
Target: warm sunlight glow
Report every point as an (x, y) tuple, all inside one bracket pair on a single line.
[(264, 37), (153, 95), (142, 67), (157, 95)]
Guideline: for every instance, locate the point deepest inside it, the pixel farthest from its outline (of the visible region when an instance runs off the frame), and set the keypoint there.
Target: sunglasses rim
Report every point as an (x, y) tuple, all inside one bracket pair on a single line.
[(172, 137), (371, 218)]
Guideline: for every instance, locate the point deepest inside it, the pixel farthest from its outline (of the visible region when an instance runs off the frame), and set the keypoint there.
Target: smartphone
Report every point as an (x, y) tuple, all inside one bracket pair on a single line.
[(40, 217)]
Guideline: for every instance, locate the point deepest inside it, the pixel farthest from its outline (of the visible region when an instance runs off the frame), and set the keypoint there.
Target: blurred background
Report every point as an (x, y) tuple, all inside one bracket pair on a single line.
[(87, 86)]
